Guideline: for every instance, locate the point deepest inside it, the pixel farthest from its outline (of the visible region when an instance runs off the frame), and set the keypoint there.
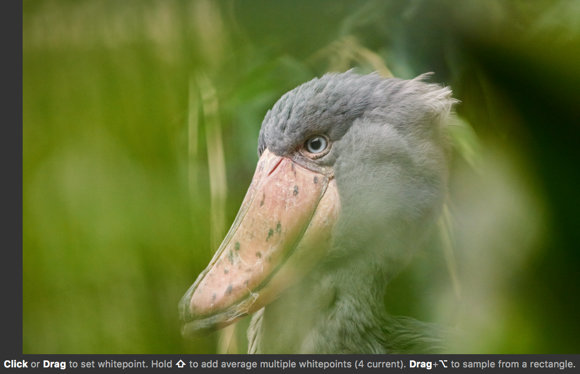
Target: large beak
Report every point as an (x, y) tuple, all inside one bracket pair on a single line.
[(282, 229)]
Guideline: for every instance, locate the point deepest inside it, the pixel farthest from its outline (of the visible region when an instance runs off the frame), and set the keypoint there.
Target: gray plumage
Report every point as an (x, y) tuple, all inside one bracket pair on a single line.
[(388, 154)]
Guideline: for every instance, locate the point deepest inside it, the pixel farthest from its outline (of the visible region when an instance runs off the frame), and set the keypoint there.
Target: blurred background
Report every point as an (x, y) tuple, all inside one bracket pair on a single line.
[(140, 132)]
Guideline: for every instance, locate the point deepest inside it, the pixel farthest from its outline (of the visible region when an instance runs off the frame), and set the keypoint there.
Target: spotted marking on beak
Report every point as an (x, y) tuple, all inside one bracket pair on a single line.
[(270, 234)]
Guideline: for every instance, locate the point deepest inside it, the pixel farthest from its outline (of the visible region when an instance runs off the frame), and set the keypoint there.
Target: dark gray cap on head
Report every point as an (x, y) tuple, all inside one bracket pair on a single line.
[(331, 103)]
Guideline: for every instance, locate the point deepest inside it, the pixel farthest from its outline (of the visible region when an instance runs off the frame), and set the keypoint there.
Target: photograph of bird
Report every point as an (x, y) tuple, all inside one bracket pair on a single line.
[(351, 177), (395, 176)]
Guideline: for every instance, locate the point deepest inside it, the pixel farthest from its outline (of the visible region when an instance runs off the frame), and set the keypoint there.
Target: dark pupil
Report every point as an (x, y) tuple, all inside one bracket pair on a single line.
[(315, 144)]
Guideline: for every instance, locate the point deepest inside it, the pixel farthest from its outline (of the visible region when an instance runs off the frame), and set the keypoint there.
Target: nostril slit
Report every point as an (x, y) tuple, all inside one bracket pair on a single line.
[(275, 166)]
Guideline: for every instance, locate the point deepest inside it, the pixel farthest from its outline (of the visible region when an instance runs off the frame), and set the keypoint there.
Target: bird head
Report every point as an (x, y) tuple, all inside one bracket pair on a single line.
[(348, 163)]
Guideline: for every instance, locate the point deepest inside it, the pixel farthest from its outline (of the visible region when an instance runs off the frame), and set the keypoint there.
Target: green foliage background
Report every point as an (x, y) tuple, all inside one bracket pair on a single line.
[(140, 134)]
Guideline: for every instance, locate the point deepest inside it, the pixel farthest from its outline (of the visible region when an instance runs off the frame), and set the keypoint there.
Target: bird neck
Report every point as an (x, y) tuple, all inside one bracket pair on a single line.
[(336, 309), (339, 307)]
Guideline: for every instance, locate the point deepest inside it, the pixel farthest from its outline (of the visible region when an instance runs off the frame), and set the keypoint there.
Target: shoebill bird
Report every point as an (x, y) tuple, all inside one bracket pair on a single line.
[(350, 179)]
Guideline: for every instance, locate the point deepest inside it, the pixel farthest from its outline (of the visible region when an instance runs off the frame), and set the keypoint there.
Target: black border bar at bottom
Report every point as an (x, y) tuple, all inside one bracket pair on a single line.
[(295, 363)]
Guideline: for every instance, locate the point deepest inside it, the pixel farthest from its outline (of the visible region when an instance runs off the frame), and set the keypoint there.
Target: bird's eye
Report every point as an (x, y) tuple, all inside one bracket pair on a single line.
[(316, 144)]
